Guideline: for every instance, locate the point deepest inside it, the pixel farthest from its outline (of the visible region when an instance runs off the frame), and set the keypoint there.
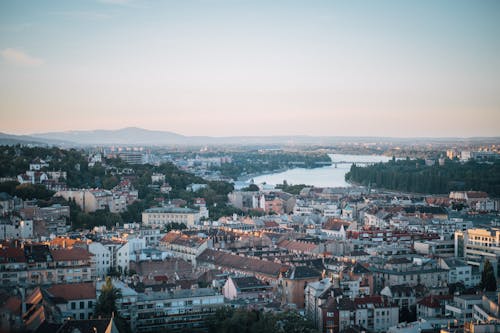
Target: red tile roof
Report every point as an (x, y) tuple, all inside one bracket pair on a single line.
[(232, 261), (12, 255), (70, 254), (296, 246), (434, 301), (73, 291)]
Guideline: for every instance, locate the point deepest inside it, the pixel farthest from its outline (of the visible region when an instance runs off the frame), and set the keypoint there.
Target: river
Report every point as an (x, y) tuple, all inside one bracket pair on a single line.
[(328, 176)]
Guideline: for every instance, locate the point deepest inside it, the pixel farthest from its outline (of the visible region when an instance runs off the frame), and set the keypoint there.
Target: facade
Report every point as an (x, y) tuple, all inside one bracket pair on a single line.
[(101, 259), (161, 217), (402, 295), (313, 298), (175, 310), (129, 252), (294, 282), (246, 287), (372, 313), (184, 246), (14, 228), (478, 245), (90, 200), (75, 300)]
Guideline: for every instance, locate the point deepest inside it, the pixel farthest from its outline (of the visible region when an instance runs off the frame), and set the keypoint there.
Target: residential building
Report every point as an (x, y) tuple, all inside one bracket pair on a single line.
[(184, 246), (373, 313), (101, 259), (246, 287), (162, 216), (176, 310), (461, 306), (478, 245), (294, 282), (129, 252), (75, 300)]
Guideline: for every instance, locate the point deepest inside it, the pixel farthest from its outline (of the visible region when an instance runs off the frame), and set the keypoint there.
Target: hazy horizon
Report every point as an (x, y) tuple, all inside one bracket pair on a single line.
[(421, 69)]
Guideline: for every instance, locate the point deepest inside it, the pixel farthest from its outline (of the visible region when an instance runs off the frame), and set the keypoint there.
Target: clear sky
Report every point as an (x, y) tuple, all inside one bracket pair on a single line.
[(215, 67)]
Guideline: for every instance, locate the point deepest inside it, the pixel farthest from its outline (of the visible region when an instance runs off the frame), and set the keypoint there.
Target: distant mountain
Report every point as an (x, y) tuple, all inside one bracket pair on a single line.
[(144, 137), (11, 139), (129, 136)]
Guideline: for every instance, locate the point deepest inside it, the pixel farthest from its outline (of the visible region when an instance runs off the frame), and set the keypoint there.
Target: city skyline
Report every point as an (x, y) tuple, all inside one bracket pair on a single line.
[(233, 68)]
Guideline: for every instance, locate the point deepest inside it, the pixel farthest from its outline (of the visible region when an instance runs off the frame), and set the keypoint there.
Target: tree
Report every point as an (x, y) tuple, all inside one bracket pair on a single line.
[(250, 188), (106, 303), (488, 280)]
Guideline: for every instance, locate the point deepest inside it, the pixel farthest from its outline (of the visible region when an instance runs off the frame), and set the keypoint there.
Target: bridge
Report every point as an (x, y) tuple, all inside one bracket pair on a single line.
[(335, 163)]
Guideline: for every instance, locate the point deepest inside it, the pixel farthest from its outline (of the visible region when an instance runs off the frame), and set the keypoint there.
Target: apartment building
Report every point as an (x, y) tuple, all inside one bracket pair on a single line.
[(162, 216), (478, 245), (176, 310)]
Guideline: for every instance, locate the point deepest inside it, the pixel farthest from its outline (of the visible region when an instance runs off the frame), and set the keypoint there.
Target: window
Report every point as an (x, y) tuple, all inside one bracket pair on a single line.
[(73, 305), (82, 305), (82, 316), (90, 304)]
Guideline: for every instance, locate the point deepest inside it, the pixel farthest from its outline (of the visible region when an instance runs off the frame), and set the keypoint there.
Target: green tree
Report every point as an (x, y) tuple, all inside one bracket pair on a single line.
[(488, 280), (106, 303)]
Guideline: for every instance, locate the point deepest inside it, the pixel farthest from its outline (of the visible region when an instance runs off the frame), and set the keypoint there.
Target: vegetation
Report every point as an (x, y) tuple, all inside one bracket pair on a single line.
[(414, 176), (258, 162), (26, 191), (292, 189), (488, 280), (228, 320), (106, 305)]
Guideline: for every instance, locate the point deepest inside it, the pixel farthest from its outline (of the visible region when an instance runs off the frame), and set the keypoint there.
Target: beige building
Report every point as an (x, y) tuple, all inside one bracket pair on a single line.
[(90, 200), (162, 216)]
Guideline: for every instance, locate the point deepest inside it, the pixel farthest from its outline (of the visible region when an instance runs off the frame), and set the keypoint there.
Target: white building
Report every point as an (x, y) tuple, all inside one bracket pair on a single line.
[(157, 178), (129, 252), (16, 229), (101, 260), (459, 271)]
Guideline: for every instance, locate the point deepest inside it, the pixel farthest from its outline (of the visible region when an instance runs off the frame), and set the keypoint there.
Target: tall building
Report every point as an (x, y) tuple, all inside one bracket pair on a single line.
[(478, 245)]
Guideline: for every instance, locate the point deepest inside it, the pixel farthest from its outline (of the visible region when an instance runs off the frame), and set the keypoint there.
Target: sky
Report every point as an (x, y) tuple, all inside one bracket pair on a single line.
[(400, 68)]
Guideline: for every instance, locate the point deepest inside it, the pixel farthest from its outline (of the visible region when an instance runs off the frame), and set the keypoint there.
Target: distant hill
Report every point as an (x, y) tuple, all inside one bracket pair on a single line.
[(11, 139), (129, 136), (144, 137)]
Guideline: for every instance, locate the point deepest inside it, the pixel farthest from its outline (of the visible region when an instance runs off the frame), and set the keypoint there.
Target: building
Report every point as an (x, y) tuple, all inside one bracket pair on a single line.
[(176, 310), (157, 178), (13, 267), (131, 157), (184, 246), (95, 199), (432, 306), (372, 313), (128, 252), (14, 228), (402, 295), (72, 265), (75, 300), (246, 287), (459, 272), (246, 200), (313, 298), (101, 259), (294, 282), (440, 248), (478, 245), (265, 270), (461, 306), (162, 216)]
